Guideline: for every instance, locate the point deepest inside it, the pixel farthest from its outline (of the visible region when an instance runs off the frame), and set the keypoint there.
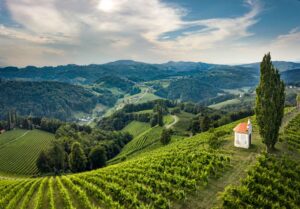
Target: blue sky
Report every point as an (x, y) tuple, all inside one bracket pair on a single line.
[(55, 32)]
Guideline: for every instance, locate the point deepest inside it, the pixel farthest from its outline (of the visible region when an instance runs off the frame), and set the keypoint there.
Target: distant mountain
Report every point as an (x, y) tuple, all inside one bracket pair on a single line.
[(280, 65)]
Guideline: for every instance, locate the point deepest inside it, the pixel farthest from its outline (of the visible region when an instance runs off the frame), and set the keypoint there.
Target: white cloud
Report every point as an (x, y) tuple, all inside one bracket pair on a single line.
[(94, 31)]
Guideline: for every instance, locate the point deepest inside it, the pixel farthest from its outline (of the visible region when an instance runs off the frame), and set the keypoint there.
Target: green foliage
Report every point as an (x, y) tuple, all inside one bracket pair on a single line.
[(292, 133), (205, 123), (78, 161), (45, 99), (273, 183), (269, 107), (97, 157), (165, 137), (213, 139)]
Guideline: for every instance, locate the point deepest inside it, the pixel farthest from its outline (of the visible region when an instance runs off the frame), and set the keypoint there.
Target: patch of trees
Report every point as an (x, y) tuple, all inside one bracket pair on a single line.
[(204, 121), (165, 137), (45, 99), (188, 89), (122, 84), (148, 105), (130, 112), (79, 148)]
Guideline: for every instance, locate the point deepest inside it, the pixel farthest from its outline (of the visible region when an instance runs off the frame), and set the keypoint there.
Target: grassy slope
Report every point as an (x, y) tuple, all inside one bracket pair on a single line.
[(145, 138), (242, 161), (21, 148), (204, 196)]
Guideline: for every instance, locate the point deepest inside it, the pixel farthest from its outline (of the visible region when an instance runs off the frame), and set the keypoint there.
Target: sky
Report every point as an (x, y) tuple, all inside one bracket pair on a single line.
[(56, 32)]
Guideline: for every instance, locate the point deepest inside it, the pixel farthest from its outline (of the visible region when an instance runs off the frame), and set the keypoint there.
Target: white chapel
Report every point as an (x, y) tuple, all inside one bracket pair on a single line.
[(243, 135)]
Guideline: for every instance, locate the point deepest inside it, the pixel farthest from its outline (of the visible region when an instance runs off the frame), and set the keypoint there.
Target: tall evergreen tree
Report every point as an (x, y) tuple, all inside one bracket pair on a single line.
[(269, 103), (78, 159)]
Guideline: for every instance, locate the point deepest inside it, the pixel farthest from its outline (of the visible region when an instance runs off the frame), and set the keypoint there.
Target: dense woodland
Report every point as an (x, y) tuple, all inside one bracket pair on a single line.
[(45, 99)]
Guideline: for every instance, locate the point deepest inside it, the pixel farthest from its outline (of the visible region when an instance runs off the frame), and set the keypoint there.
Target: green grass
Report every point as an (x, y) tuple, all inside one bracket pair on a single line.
[(168, 119), (135, 128), (184, 123), (18, 155), (225, 103)]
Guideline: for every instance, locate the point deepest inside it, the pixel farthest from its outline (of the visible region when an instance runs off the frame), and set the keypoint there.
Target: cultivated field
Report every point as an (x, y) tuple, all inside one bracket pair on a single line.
[(19, 150)]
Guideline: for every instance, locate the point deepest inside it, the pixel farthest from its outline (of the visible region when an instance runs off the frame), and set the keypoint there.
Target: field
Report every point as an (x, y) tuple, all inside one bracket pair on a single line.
[(19, 150), (135, 128), (182, 174), (152, 180), (225, 103)]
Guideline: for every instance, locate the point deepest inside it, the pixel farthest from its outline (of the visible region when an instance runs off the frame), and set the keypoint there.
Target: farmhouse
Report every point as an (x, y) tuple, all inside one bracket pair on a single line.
[(243, 135)]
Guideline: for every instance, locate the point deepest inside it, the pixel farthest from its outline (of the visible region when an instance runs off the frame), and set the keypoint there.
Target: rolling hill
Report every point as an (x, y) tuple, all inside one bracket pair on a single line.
[(46, 99), (180, 175)]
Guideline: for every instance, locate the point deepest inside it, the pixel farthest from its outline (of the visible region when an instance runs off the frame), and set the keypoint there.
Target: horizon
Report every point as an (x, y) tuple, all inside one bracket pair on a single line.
[(138, 61), (52, 33)]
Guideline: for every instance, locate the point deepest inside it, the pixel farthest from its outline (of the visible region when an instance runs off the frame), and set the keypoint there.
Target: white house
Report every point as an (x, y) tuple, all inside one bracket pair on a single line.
[(243, 134)]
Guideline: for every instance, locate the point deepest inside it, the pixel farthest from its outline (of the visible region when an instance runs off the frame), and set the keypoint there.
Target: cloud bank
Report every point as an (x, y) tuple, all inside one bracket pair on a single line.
[(52, 32)]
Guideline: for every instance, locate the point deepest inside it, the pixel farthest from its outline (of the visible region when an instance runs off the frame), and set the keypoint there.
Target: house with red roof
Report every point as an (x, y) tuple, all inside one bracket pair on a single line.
[(243, 135)]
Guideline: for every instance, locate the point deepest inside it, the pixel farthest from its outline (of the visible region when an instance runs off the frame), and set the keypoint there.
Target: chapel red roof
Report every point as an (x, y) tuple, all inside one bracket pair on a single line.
[(241, 128)]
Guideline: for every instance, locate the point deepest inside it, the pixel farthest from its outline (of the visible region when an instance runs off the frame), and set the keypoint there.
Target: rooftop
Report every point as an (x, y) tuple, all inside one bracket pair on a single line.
[(241, 128)]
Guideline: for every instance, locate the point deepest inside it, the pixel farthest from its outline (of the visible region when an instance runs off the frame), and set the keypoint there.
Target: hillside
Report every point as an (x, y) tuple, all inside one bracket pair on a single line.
[(46, 99), (180, 175), (19, 150), (122, 82)]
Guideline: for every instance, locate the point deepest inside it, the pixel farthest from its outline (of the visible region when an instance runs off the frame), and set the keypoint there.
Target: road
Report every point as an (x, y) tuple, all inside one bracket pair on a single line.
[(176, 119)]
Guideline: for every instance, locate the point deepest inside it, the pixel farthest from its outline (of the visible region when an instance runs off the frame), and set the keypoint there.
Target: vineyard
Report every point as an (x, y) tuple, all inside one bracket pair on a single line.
[(168, 176), (292, 133), (19, 150), (274, 182), (141, 142), (152, 180)]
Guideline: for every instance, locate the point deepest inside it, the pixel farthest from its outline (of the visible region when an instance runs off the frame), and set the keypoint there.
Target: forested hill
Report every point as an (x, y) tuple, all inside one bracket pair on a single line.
[(135, 71), (45, 99)]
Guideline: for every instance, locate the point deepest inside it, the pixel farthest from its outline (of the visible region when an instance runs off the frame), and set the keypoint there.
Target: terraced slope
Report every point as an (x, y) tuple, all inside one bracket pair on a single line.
[(274, 182), (153, 180), (19, 150)]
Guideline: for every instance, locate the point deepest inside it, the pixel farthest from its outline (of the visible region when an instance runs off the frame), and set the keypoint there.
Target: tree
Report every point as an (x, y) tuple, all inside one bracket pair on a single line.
[(298, 101), (42, 162), (56, 156), (97, 157), (165, 137), (205, 123), (269, 107), (77, 158), (154, 120), (195, 126)]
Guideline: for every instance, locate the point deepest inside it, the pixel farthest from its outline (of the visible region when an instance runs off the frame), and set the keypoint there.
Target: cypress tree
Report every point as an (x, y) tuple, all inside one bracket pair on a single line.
[(269, 107)]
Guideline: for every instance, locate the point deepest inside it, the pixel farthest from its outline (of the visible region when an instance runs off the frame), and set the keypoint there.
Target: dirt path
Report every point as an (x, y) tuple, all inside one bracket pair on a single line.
[(176, 119)]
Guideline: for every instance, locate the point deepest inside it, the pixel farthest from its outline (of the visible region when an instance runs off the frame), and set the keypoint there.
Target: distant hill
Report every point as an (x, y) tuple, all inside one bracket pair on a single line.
[(45, 99), (292, 76), (206, 80), (280, 65)]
